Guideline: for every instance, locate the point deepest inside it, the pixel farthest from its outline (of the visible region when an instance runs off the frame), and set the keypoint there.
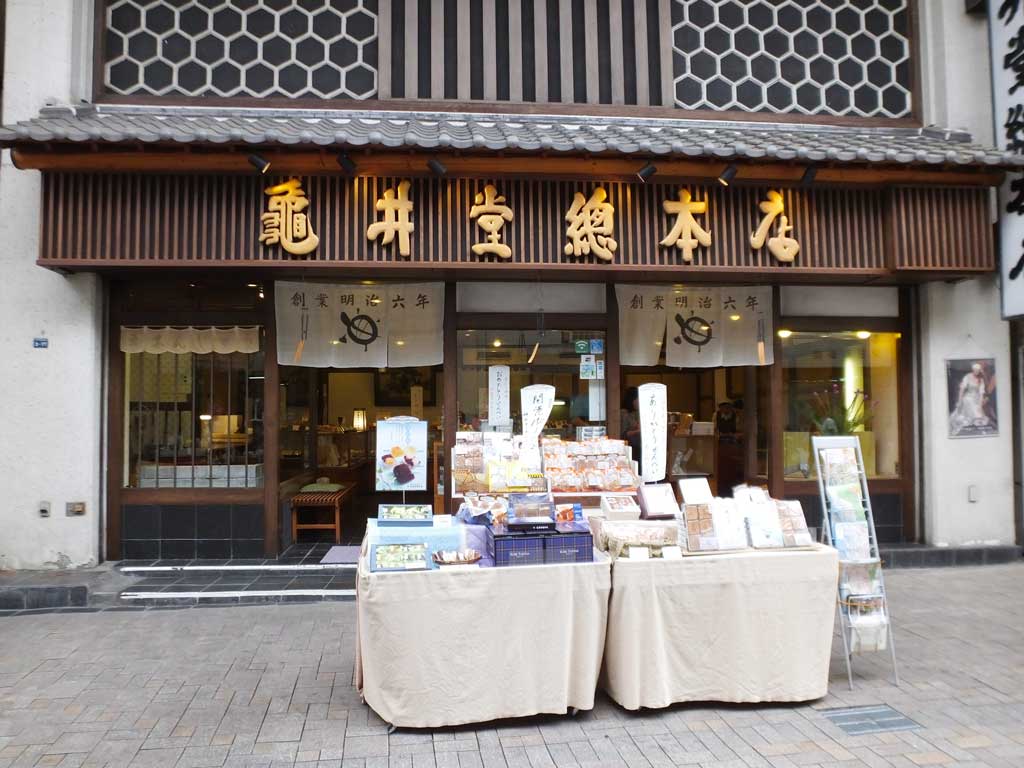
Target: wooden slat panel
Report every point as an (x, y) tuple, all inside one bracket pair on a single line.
[(104, 219), (942, 228)]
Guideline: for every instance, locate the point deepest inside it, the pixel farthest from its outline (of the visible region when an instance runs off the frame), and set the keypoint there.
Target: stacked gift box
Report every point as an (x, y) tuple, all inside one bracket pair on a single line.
[(531, 536)]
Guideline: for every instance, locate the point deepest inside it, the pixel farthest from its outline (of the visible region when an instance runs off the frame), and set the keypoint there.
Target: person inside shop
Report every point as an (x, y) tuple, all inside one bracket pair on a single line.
[(725, 418), (630, 422)]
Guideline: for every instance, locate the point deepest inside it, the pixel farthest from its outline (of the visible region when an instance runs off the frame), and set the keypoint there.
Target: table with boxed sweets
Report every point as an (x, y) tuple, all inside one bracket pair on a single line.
[(443, 646)]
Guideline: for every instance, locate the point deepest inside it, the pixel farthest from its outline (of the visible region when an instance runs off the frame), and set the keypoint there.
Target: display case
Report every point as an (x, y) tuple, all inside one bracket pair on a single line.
[(341, 448), (694, 456)]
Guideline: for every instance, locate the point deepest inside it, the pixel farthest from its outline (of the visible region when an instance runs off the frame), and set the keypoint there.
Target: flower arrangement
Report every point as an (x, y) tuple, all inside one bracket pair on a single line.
[(831, 416)]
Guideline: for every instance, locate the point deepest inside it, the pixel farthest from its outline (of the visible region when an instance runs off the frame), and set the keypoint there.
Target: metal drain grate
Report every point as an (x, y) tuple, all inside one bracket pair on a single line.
[(857, 721)]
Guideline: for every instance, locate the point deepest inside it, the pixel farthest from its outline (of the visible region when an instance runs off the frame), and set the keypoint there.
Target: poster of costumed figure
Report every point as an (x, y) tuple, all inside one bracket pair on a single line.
[(971, 385)]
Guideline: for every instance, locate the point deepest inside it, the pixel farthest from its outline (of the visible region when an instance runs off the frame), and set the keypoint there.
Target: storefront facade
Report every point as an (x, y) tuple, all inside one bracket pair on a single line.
[(530, 225)]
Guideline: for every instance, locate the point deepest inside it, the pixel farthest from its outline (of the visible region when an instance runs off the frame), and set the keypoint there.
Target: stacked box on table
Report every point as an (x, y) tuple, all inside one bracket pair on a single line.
[(509, 548), (573, 543)]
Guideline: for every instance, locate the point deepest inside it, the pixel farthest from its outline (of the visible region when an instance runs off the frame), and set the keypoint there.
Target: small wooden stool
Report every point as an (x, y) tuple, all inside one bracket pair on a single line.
[(319, 499)]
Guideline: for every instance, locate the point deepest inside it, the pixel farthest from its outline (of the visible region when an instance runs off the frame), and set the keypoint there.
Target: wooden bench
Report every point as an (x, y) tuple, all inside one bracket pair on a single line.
[(330, 499)]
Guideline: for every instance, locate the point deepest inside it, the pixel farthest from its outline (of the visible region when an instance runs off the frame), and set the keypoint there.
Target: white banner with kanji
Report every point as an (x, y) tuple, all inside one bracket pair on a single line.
[(642, 313), (330, 325), (415, 324), (700, 326)]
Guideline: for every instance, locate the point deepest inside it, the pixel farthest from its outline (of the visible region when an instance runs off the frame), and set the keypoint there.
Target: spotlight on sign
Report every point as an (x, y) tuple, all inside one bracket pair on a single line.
[(261, 164), (438, 168), (726, 177), (646, 172), (346, 163), (808, 178)]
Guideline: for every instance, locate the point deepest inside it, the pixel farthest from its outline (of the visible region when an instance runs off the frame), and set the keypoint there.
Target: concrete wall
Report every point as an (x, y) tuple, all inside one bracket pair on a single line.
[(961, 320), (50, 413)]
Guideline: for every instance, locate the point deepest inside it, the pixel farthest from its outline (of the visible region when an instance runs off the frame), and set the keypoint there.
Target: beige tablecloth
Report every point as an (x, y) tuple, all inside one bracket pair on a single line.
[(743, 627), (447, 647)]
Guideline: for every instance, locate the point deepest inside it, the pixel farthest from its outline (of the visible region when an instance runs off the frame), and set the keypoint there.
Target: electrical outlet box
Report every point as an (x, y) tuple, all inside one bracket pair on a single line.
[(44, 509), (75, 508)]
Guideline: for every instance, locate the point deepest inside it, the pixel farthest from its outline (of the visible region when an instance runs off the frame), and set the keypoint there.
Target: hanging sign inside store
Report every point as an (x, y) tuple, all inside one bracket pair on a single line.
[(1006, 37), (401, 458), (498, 395), (653, 430), (699, 327), (331, 325), (536, 400), (285, 222)]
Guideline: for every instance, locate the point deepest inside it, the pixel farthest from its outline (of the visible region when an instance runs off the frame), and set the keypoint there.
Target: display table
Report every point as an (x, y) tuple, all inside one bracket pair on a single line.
[(750, 626), (440, 648)]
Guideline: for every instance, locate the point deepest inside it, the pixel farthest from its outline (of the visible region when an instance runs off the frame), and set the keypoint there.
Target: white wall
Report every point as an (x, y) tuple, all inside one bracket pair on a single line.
[(962, 319), (50, 415)]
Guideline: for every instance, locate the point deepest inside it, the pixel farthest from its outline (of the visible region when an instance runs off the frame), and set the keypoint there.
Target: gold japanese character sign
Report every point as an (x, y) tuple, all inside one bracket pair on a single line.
[(397, 210), (491, 213), (686, 234), (781, 246), (285, 223), (591, 226)]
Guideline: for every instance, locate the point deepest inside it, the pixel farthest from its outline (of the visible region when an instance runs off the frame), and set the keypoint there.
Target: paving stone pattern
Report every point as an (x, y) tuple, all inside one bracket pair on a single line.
[(272, 685)]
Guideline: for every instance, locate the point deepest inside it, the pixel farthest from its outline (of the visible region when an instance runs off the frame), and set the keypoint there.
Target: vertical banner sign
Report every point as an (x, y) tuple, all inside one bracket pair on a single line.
[(537, 401), (416, 401), (1006, 34), (642, 313), (497, 395), (401, 459), (653, 430)]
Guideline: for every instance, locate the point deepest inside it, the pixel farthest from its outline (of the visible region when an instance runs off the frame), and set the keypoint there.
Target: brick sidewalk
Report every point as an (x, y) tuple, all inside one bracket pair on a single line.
[(272, 685)]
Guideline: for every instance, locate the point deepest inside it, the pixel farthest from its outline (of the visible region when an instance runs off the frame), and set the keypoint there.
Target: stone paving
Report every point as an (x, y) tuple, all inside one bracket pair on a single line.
[(272, 685)]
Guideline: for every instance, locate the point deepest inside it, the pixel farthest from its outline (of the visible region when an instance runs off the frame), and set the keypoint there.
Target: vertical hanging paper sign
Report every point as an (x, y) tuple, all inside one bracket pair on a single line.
[(642, 313), (653, 430), (415, 324), (694, 338), (498, 395), (416, 401), (537, 401), (401, 459)]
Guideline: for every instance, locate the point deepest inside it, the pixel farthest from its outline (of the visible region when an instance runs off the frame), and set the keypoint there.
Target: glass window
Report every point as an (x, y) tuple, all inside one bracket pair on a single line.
[(551, 357), (841, 383), (193, 420)]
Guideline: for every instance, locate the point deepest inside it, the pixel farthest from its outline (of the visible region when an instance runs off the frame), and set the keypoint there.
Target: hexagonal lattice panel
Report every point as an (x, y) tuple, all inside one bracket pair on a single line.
[(834, 57), (313, 48)]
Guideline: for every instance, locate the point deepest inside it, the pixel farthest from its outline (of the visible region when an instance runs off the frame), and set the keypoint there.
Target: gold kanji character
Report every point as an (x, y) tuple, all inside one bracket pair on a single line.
[(591, 226), (397, 211), (284, 221), (686, 234), (491, 214), (782, 247)]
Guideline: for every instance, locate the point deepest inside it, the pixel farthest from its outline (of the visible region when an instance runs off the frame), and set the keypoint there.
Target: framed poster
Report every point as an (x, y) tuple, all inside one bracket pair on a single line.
[(401, 458), (971, 388), (393, 387)]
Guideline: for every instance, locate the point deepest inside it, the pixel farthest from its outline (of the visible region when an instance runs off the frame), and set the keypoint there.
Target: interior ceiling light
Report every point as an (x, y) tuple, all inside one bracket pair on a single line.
[(496, 343), (347, 164), (863, 335), (646, 172), (437, 166), (261, 164), (784, 333), (726, 177), (808, 178)]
